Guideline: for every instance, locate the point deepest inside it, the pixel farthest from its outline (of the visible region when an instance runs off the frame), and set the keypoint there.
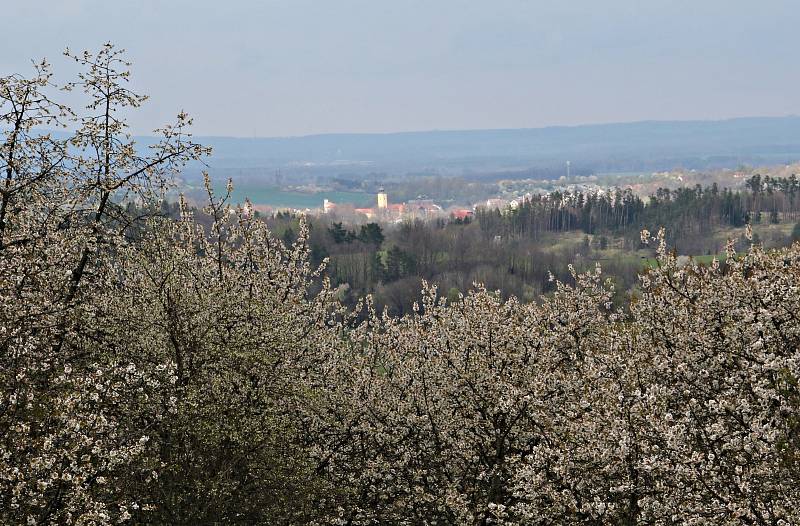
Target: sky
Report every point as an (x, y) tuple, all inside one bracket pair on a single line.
[(298, 67)]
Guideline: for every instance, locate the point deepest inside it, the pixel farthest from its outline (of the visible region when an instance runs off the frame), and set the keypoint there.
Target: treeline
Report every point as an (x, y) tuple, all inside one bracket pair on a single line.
[(689, 213), (516, 250)]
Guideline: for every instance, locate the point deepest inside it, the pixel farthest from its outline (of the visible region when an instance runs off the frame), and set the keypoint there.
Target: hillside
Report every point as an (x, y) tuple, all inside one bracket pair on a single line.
[(648, 145)]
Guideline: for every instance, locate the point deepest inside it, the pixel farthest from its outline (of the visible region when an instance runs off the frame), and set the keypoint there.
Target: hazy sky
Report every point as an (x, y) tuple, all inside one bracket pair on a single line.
[(296, 67)]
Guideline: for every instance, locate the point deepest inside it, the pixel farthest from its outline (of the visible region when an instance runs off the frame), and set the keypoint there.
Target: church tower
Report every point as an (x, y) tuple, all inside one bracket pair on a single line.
[(383, 199)]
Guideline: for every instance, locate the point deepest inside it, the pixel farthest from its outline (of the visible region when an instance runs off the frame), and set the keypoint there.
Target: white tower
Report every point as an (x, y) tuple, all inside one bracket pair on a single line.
[(383, 199)]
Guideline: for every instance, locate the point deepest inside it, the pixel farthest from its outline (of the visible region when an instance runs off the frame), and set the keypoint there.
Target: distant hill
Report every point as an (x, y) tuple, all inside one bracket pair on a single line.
[(647, 145)]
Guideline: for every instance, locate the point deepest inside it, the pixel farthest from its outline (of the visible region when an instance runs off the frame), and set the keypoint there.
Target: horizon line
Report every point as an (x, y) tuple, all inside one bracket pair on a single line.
[(526, 128), (464, 130)]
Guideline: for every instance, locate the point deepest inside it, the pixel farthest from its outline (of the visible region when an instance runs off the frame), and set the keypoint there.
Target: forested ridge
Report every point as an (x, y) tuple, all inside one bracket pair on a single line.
[(690, 211), (200, 370)]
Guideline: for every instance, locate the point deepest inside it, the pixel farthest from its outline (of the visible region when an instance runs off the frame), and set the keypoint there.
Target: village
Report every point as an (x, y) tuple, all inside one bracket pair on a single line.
[(384, 211), (416, 209)]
